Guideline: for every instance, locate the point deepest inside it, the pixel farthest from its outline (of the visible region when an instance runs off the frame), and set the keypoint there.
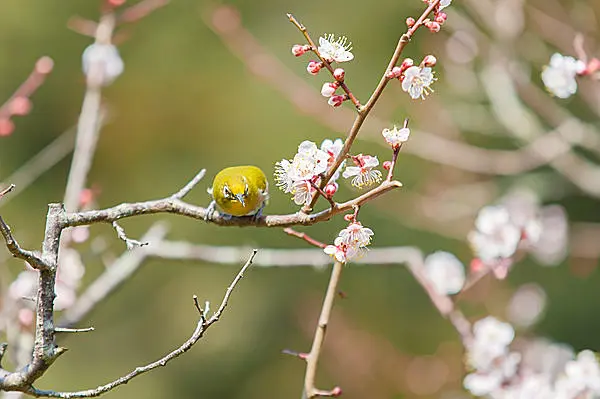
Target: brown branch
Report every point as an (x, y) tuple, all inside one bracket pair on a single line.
[(326, 63), (202, 325), (176, 206), (312, 358), (305, 237)]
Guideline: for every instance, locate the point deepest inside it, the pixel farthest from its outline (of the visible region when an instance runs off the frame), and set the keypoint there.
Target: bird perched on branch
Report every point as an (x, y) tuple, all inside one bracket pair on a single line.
[(239, 191)]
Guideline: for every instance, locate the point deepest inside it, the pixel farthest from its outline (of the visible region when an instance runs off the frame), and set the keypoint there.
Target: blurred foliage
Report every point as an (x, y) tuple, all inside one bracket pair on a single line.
[(185, 103)]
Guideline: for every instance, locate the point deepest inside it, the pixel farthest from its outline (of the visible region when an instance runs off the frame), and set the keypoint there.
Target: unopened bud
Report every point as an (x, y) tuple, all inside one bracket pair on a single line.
[(331, 189), (387, 165), (314, 67), (298, 49), (410, 22), (429, 61), (441, 17), (336, 101), (328, 89), (20, 106), (407, 63), (349, 217), (6, 127), (339, 74), (434, 27), (592, 67), (395, 73), (86, 196), (476, 265), (337, 391), (44, 65), (116, 3)]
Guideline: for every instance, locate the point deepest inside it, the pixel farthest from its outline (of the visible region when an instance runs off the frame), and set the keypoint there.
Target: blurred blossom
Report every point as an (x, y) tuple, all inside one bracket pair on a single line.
[(102, 63), (545, 357), (335, 50), (491, 340), (495, 237), (417, 82), (395, 137), (551, 248), (445, 272), (445, 3), (80, 234), (559, 76), (527, 305), (363, 173), (581, 378)]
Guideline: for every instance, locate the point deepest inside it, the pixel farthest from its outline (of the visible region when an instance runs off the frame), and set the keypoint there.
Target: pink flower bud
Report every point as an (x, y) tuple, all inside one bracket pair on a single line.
[(407, 63), (395, 73), (314, 67), (335, 392), (336, 101), (410, 22), (476, 265), (6, 127), (116, 3), (328, 89), (20, 106), (429, 61), (349, 217), (592, 67), (86, 196), (441, 17), (387, 165), (298, 50), (331, 189), (339, 74), (434, 27)]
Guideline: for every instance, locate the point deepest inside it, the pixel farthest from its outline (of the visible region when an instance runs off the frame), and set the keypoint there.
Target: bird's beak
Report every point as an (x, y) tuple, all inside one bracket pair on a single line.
[(240, 197)]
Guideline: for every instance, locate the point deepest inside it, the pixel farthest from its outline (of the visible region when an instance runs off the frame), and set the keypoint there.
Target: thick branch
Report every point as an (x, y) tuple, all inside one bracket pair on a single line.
[(176, 206)]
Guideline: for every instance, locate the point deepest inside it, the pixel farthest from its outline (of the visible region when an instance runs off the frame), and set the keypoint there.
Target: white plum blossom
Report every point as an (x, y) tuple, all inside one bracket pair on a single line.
[(559, 76), (488, 382), (351, 242), (492, 338), (296, 176), (102, 63), (335, 50), (445, 272), (363, 174), (417, 81), (395, 137), (581, 377), (333, 149), (495, 237)]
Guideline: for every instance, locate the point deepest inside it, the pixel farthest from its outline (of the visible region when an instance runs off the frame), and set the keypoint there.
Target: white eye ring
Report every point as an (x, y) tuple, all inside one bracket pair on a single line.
[(226, 192)]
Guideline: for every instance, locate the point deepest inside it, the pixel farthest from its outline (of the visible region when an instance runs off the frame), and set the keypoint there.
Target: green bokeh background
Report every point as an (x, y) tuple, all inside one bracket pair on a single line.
[(185, 103)]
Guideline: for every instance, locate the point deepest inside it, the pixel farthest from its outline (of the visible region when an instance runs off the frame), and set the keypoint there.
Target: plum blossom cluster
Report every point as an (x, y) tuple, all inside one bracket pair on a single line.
[(559, 76), (497, 237), (300, 175), (364, 172), (445, 273), (350, 243), (501, 373), (439, 17), (416, 79), (330, 50)]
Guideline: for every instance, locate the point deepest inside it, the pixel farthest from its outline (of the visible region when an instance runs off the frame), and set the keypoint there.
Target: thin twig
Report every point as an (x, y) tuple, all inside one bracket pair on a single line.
[(15, 249), (128, 241), (188, 187), (326, 63), (7, 190), (366, 109), (312, 359), (202, 325), (305, 237), (73, 330)]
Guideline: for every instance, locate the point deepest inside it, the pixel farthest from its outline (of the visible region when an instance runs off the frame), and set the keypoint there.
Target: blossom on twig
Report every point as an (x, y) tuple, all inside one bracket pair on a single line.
[(363, 173), (350, 242), (417, 81), (395, 137), (332, 49), (559, 76), (445, 272)]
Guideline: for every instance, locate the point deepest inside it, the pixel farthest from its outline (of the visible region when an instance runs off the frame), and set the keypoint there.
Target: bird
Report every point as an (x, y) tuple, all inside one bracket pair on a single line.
[(239, 191)]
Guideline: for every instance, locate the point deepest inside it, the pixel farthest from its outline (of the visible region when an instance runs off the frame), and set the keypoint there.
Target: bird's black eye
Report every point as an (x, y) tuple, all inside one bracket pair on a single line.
[(227, 193)]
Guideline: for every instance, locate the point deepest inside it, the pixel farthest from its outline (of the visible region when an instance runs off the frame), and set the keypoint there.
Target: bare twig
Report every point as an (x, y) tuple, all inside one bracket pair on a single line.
[(140, 10), (305, 237), (188, 187), (7, 190), (128, 241), (73, 330), (15, 249), (312, 359), (202, 325)]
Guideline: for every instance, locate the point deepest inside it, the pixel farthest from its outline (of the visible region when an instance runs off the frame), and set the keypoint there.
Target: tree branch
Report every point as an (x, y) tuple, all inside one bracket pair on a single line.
[(15, 249)]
